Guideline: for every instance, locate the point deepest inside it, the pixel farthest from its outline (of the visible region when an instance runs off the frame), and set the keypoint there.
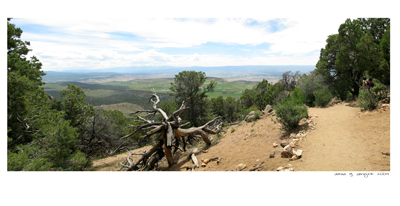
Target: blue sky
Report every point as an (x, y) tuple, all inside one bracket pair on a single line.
[(70, 44)]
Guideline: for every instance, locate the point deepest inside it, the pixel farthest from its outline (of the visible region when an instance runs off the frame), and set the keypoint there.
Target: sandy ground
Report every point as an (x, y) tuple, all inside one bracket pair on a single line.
[(344, 139)]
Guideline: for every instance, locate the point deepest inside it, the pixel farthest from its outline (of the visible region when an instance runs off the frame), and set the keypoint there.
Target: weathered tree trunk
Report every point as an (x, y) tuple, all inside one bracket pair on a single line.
[(168, 155), (169, 128)]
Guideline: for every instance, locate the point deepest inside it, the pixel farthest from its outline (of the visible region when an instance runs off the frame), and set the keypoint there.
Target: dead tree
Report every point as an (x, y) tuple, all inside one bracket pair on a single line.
[(170, 133)]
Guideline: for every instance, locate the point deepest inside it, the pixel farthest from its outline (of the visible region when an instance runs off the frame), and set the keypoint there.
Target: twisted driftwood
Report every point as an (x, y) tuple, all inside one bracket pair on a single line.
[(171, 132)]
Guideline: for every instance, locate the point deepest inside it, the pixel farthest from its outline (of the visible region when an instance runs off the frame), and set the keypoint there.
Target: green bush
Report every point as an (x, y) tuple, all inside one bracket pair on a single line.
[(78, 161), (367, 100), (245, 112), (257, 115), (322, 97), (289, 113), (380, 91), (297, 96)]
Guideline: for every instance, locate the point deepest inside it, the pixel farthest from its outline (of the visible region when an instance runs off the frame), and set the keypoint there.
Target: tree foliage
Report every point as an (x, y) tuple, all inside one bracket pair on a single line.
[(189, 84), (74, 105), (228, 108), (289, 80), (308, 84), (360, 49), (103, 131), (263, 94), (25, 98)]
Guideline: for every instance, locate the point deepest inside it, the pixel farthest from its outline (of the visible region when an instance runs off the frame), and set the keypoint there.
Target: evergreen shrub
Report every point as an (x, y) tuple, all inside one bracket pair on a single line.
[(367, 100), (380, 91), (289, 113), (322, 97)]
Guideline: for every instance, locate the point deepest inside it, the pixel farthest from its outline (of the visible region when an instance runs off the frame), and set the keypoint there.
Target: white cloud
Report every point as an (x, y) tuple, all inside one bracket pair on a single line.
[(87, 43)]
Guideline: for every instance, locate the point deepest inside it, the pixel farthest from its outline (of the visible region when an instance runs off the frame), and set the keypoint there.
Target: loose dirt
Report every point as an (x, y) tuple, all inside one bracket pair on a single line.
[(344, 139)]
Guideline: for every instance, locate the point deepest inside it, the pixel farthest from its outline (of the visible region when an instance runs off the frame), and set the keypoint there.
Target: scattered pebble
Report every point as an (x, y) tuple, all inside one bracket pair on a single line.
[(240, 167)]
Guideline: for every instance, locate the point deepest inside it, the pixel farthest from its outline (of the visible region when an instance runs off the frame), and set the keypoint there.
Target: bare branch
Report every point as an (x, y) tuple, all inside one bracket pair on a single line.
[(258, 167), (127, 159), (144, 126), (147, 155), (145, 120), (186, 124)]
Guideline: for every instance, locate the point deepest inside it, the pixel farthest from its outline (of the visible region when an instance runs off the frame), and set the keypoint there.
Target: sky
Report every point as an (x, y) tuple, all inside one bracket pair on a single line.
[(99, 43)]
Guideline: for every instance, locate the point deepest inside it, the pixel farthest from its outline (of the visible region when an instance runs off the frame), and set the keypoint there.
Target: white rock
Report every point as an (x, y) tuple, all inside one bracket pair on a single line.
[(299, 152), (287, 148), (241, 167)]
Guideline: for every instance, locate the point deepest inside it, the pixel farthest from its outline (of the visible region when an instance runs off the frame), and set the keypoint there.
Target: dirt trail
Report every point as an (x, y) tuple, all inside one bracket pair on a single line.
[(344, 140)]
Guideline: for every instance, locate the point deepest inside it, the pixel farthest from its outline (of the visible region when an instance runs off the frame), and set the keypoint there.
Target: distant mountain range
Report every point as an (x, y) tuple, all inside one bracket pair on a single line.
[(230, 73)]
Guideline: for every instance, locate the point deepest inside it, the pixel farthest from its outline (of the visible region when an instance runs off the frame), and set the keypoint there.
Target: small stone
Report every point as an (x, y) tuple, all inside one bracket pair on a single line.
[(303, 135), (206, 161), (268, 108), (287, 148), (288, 165), (205, 151), (203, 164), (286, 154), (240, 167), (250, 118), (294, 157), (293, 135), (298, 152), (272, 154), (274, 144), (298, 135), (279, 169), (284, 143), (384, 156)]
